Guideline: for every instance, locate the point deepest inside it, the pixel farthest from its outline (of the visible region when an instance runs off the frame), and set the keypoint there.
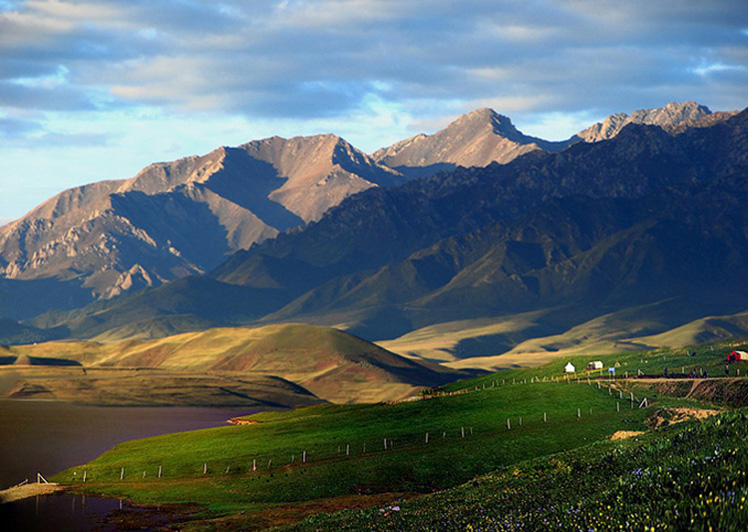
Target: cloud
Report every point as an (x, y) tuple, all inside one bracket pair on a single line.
[(324, 58), (78, 74), (15, 127)]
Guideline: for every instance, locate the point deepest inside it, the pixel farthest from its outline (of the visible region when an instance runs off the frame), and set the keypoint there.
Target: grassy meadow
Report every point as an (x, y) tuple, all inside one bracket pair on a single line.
[(345, 449), (690, 476), (512, 439)]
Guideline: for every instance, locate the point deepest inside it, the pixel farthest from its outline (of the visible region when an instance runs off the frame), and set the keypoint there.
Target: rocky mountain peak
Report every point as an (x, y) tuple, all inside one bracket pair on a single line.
[(477, 138), (669, 117), (486, 118)]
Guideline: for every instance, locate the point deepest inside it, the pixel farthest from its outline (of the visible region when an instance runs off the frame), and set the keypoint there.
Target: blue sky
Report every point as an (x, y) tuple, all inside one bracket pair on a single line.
[(98, 89)]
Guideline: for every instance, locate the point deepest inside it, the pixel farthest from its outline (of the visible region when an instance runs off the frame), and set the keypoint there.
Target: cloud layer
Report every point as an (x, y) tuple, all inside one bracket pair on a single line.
[(302, 59), (404, 63)]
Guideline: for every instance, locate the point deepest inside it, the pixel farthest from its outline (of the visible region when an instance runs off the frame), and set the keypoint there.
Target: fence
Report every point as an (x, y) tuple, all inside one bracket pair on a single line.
[(340, 450)]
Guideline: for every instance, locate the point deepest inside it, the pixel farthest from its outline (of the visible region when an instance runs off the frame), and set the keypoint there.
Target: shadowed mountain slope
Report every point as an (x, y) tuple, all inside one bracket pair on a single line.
[(595, 228), (483, 136), (672, 118), (183, 218)]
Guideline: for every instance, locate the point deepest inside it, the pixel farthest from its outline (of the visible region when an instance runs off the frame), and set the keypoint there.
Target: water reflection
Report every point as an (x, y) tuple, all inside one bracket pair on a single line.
[(49, 437), (59, 513)]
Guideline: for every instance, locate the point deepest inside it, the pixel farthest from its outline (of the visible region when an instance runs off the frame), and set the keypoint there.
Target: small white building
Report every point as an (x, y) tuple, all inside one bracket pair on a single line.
[(569, 368), (595, 364)]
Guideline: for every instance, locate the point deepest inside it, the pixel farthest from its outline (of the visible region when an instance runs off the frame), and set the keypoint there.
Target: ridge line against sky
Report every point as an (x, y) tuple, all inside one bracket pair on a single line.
[(98, 89)]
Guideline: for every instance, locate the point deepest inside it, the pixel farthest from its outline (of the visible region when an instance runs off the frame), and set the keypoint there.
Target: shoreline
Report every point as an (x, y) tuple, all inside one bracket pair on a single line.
[(17, 493)]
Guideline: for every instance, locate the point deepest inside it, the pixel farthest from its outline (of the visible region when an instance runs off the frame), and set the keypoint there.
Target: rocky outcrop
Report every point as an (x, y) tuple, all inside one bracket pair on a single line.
[(671, 117), (184, 217), (477, 138)]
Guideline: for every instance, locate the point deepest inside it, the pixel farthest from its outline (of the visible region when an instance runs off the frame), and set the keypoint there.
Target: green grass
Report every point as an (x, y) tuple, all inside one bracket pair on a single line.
[(579, 416), (692, 476), (323, 432), (710, 357)]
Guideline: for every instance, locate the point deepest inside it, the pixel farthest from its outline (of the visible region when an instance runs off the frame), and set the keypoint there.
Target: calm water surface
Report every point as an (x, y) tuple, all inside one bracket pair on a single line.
[(49, 437)]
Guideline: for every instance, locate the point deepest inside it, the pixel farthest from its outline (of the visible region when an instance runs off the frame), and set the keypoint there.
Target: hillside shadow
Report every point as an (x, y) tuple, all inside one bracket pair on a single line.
[(248, 182)]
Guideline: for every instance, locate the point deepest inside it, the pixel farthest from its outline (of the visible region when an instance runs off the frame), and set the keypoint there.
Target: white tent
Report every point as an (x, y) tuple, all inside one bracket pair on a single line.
[(569, 368), (595, 364)]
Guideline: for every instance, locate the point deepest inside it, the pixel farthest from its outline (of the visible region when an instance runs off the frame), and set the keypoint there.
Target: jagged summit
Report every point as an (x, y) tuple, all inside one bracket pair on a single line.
[(477, 138), (184, 217), (668, 117), (488, 118)]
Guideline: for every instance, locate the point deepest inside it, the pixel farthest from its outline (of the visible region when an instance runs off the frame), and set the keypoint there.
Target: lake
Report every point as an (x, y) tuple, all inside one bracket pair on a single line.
[(47, 437)]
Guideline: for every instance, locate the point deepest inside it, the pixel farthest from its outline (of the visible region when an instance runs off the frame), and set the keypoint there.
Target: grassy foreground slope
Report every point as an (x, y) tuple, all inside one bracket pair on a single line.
[(344, 447), (510, 426), (687, 477)]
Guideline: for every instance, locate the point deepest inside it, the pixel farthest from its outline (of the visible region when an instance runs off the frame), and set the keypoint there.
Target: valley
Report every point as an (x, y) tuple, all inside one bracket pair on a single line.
[(400, 323)]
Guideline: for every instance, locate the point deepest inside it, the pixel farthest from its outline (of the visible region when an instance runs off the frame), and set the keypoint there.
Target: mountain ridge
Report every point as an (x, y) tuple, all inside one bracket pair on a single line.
[(386, 233), (158, 222), (379, 231)]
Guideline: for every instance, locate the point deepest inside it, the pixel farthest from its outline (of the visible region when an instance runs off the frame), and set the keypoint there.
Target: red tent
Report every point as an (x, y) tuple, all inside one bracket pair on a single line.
[(736, 356)]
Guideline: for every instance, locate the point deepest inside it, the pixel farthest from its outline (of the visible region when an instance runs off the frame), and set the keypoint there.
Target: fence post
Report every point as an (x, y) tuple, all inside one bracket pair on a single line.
[(122, 473), (347, 449), (205, 468), (159, 471), (579, 412), (85, 473), (618, 406), (545, 418), (508, 424), (462, 431), (254, 464)]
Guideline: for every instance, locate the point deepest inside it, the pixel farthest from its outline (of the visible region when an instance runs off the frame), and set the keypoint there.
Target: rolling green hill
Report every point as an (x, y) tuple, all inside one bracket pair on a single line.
[(277, 444), (687, 477), (284, 466)]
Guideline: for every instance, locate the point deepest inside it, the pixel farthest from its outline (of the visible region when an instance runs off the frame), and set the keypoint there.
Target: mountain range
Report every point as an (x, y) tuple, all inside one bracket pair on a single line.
[(186, 217), (628, 213)]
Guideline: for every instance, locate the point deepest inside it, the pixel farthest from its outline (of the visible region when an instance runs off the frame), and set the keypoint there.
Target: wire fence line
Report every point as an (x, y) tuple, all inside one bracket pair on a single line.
[(266, 463)]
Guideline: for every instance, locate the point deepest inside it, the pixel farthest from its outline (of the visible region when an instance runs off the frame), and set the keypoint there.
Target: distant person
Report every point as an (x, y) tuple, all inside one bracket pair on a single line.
[(727, 370), (664, 371)]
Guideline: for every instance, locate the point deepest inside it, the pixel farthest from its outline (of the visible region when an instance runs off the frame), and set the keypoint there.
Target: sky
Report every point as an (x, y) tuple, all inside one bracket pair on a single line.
[(98, 89)]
